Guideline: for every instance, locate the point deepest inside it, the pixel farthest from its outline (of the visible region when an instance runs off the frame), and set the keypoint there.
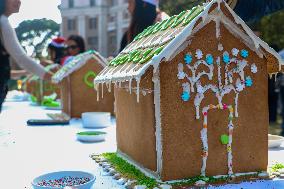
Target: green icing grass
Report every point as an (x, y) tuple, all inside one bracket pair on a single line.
[(129, 171), (193, 180), (91, 133), (276, 167)]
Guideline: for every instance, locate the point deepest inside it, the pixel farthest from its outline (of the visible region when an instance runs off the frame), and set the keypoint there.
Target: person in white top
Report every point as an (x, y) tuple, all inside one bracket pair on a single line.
[(11, 48)]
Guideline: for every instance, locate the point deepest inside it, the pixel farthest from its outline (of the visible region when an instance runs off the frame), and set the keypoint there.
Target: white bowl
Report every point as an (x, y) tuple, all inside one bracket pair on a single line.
[(96, 119), (91, 138), (275, 141), (58, 175)]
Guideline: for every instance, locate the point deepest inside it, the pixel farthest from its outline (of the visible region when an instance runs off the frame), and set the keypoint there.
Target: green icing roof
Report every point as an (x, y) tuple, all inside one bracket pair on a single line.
[(142, 54)]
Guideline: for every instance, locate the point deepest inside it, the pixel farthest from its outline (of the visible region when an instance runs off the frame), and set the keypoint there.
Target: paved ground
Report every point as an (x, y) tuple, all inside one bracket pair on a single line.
[(26, 152)]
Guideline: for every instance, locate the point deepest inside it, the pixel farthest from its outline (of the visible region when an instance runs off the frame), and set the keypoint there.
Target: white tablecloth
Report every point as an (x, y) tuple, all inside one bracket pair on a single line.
[(27, 152)]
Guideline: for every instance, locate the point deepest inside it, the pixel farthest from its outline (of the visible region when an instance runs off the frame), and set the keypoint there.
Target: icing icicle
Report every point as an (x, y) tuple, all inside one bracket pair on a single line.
[(98, 91), (138, 89), (130, 86), (102, 90)]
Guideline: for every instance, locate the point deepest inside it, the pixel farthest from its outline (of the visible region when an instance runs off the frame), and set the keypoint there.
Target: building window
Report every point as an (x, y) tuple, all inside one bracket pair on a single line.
[(92, 3), (112, 43), (111, 2), (71, 24), (93, 23), (111, 18), (71, 3), (93, 42)]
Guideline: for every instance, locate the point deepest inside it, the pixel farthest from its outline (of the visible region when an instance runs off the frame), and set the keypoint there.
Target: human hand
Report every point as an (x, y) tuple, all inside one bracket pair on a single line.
[(45, 62), (54, 68), (47, 76)]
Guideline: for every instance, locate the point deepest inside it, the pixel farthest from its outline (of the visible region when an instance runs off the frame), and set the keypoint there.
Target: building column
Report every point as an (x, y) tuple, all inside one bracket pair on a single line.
[(119, 30), (82, 26), (102, 29)]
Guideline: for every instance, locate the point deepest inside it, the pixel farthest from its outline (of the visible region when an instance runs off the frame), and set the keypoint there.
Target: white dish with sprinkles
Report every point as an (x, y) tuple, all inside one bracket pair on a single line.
[(61, 179)]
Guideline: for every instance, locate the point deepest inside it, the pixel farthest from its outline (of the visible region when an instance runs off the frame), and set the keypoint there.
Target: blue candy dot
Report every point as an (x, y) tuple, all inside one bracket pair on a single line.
[(226, 58), (185, 96), (248, 82), (188, 58), (209, 59), (244, 53)]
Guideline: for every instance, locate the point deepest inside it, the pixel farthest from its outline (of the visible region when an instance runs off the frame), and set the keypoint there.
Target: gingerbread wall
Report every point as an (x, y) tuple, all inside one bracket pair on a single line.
[(84, 98), (181, 140), (136, 123), (65, 95)]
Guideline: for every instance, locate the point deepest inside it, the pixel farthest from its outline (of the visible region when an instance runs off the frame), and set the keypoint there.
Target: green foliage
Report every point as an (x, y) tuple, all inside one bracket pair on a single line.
[(272, 28), (36, 33), (175, 7), (129, 171)]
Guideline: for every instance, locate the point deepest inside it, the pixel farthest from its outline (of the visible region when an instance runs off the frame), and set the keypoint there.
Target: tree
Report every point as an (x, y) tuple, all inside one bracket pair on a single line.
[(175, 7), (233, 63), (272, 28), (34, 34)]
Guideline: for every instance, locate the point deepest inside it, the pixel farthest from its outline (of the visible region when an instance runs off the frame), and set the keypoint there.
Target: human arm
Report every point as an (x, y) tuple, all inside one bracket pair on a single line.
[(15, 74), (13, 47)]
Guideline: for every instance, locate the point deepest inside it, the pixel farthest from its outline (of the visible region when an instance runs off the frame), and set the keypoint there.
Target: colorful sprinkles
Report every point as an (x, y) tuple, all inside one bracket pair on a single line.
[(64, 181)]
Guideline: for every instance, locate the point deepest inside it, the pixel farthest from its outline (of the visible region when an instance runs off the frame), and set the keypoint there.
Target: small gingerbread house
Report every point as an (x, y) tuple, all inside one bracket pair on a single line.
[(77, 86), (40, 88), (191, 96)]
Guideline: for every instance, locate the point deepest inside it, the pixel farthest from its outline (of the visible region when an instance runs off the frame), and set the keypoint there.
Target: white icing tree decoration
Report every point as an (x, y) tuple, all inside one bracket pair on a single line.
[(234, 80)]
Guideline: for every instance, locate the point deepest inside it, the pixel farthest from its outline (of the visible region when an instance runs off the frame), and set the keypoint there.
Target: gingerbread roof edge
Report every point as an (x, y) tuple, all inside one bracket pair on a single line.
[(76, 63)]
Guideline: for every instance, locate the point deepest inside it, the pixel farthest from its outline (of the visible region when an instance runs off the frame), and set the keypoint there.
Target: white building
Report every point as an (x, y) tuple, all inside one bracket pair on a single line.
[(102, 23)]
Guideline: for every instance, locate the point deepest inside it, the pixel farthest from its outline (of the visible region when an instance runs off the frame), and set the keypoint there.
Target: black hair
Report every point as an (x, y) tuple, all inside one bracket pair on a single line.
[(59, 52), (2, 6), (144, 15), (79, 41)]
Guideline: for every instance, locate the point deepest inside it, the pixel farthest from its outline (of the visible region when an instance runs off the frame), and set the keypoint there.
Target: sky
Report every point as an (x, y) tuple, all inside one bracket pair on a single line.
[(36, 9)]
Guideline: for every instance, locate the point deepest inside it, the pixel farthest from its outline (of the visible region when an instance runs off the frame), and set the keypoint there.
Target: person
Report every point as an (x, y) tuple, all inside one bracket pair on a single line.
[(10, 47), (253, 10), (281, 83), (75, 45), (56, 52), (143, 14)]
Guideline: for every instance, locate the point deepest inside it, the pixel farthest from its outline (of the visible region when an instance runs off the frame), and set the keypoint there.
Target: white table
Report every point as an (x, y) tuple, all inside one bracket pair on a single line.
[(30, 151)]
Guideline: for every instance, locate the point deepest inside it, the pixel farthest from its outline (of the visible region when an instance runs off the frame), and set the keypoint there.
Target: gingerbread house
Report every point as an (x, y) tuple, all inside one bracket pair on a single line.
[(191, 96), (40, 88), (77, 86)]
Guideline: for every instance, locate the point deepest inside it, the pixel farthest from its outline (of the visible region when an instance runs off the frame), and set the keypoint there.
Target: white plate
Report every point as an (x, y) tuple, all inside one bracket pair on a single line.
[(275, 141), (91, 138), (96, 119)]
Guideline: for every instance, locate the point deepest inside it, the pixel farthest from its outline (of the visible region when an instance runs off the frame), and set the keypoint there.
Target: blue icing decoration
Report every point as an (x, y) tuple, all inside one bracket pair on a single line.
[(226, 58), (244, 53), (209, 59), (248, 82), (185, 96), (188, 58)]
